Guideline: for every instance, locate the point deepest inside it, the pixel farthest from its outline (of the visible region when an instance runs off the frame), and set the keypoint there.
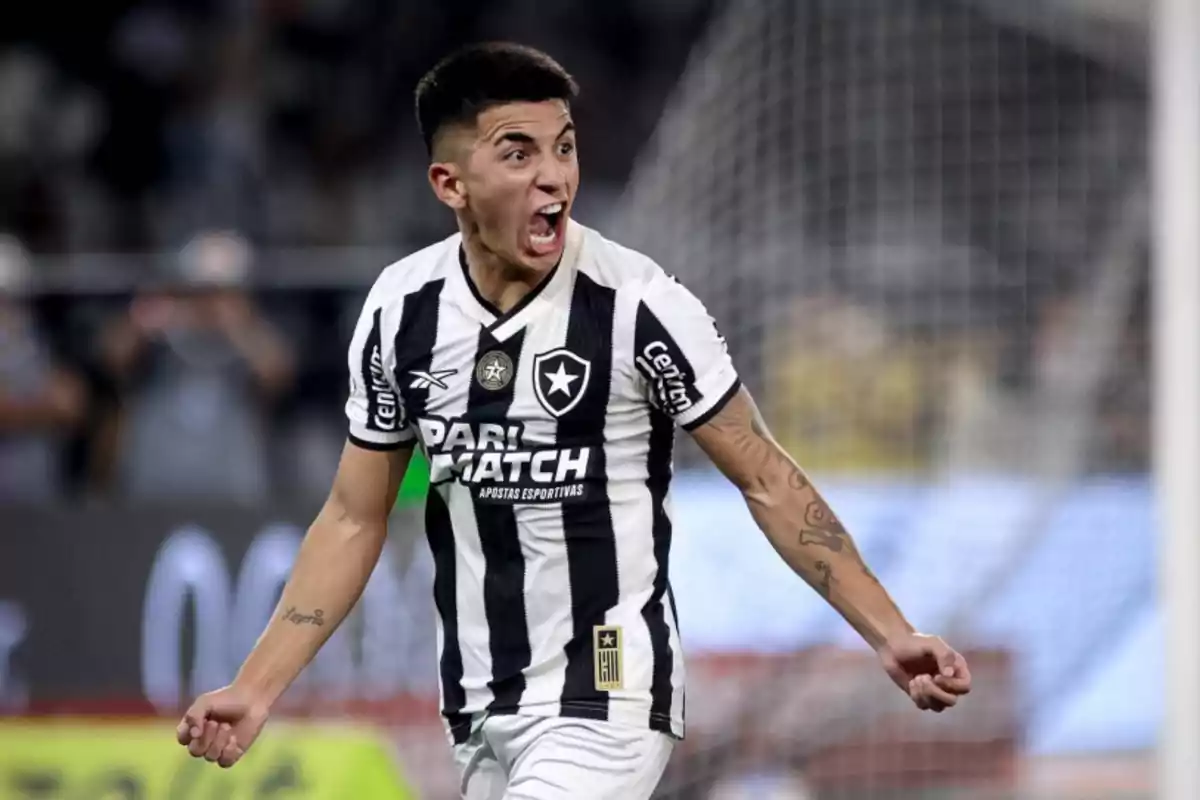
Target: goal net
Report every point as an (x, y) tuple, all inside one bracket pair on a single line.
[(922, 232)]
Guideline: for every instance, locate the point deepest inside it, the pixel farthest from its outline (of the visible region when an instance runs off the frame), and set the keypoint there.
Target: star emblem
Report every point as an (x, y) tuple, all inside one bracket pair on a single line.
[(608, 640), (494, 372), (561, 381)]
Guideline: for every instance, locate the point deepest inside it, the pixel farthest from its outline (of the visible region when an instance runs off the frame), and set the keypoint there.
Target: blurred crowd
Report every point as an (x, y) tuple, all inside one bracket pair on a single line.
[(170, 398), (289, 120), (211, 131), (943, 230)]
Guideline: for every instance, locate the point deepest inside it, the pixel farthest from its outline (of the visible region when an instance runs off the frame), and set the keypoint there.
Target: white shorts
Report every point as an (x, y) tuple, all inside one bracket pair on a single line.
[(513, 757)]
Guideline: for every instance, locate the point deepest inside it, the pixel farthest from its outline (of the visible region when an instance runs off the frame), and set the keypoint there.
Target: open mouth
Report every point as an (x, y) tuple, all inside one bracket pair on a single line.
[(546, 227)]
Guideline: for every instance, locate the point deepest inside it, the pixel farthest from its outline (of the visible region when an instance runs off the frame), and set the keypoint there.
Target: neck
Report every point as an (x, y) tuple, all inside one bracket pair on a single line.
[(500, 282)]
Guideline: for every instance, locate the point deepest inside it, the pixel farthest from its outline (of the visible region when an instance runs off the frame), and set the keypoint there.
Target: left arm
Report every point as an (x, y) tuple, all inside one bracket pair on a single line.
[(687, 374), (805, 532), (797, 520)]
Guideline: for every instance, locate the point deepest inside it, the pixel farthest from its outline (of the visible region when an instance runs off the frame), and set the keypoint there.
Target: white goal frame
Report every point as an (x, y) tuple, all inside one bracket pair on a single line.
[(1176, 331)]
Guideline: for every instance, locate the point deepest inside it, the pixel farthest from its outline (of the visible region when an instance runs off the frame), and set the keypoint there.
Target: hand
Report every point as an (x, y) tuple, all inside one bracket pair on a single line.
[(65, 398), (153, 314), (932, 673), (231, 313), (220, 726)]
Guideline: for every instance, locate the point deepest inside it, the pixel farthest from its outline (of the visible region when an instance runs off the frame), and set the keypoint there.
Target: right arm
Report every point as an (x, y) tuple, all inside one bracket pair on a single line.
[(331, 570), (344, 542), (335, 561)]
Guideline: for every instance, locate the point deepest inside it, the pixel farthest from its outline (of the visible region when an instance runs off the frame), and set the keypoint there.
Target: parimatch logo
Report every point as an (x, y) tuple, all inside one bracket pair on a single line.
[(499, 466)]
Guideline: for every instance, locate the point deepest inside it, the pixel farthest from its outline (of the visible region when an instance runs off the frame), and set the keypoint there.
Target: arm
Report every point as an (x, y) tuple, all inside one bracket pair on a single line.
[(265, 353), (331, 570), (797, 520), (804, 530), (255, 339), (337, 556), (60, 404)]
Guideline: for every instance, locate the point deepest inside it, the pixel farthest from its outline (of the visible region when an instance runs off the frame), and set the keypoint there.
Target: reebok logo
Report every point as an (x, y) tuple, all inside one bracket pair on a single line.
[(426, 380)]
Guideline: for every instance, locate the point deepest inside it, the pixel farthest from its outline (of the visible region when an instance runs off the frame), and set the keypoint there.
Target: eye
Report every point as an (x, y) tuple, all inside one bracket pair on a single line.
[(516, 155), (566, 148)]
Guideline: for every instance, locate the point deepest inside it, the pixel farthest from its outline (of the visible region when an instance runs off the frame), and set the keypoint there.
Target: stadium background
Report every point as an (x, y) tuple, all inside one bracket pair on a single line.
[(921, 225)]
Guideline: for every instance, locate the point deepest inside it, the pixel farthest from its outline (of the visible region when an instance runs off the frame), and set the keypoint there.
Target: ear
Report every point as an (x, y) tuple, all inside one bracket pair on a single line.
[(445, 177)]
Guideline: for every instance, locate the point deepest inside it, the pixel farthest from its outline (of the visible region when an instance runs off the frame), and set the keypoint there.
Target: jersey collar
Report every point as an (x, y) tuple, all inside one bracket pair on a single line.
[(504, 325)]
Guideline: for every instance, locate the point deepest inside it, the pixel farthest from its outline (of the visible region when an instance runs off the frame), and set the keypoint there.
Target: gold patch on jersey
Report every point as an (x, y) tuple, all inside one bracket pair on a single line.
[(494, 370), (608, 649)]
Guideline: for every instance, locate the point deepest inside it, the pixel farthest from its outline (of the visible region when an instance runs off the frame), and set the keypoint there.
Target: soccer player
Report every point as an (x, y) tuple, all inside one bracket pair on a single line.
[(543, 369)]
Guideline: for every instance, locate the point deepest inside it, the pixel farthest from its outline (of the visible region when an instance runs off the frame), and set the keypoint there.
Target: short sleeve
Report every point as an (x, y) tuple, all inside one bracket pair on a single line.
[(678, 351), (374, 408)]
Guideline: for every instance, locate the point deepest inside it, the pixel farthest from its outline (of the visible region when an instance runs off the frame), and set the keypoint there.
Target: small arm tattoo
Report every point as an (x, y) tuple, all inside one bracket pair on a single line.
[(796, 478), (317, 617), (822, 528), (824, 586)]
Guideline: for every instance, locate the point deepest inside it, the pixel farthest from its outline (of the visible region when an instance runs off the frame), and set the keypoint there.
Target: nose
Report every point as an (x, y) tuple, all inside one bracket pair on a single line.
[(551, 178)]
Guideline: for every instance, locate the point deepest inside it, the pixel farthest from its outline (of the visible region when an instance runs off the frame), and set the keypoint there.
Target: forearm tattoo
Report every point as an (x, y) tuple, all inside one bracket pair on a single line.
[(752, 458), (292, 615), (824, 585), (821, 528), (797, 481)]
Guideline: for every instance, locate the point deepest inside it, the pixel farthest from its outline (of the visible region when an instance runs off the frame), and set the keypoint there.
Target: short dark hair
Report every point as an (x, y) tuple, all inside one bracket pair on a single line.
[(476, 77)]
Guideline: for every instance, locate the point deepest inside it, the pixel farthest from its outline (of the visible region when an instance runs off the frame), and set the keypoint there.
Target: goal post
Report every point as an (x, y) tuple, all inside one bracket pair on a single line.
[(1177, 383)]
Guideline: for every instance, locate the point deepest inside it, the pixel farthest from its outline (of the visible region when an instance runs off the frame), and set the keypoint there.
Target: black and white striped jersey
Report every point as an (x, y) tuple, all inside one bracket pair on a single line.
[(549, 434)]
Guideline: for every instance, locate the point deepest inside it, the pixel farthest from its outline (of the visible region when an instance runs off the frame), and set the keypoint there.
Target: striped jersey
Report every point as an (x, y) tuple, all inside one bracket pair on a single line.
[(549, 431)]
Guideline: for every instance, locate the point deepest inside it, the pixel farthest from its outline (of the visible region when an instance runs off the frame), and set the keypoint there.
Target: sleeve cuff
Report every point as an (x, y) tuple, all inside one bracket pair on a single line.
[(379, 446), (702, 413), (379, 440)]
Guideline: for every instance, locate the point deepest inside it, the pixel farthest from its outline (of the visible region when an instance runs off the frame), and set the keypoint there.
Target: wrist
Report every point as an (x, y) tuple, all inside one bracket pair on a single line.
[(892, 637), (259, 691)]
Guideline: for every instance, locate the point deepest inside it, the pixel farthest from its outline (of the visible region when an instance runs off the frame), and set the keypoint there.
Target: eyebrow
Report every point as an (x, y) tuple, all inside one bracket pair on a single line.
[(525, 138)]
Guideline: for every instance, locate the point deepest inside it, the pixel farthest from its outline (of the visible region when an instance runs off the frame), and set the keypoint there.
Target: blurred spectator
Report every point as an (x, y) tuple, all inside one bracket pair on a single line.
[(842, 392), (40, 400), (198, 366)]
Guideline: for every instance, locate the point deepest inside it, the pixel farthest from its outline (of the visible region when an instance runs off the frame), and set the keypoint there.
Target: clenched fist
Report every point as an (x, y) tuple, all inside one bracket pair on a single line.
[(220, 726), (932, 673)]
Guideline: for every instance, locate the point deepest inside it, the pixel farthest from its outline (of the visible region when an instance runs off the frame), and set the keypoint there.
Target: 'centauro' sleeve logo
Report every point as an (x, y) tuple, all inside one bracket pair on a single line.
[(669, 373), (383, 406), (670, 377)]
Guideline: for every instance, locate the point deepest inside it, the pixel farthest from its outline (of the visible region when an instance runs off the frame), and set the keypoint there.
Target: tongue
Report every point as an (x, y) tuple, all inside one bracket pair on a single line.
[(540, 226)]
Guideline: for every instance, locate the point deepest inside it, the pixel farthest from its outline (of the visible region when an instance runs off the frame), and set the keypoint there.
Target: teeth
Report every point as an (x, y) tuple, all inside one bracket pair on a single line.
[(539, 240), (553, 208)]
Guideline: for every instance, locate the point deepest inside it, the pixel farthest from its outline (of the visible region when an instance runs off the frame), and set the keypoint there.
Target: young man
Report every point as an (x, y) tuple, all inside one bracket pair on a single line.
[(542, 369)]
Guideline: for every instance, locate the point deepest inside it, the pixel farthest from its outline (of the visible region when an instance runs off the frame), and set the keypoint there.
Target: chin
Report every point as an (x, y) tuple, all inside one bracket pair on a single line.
[(543, 263), (539, 262)]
